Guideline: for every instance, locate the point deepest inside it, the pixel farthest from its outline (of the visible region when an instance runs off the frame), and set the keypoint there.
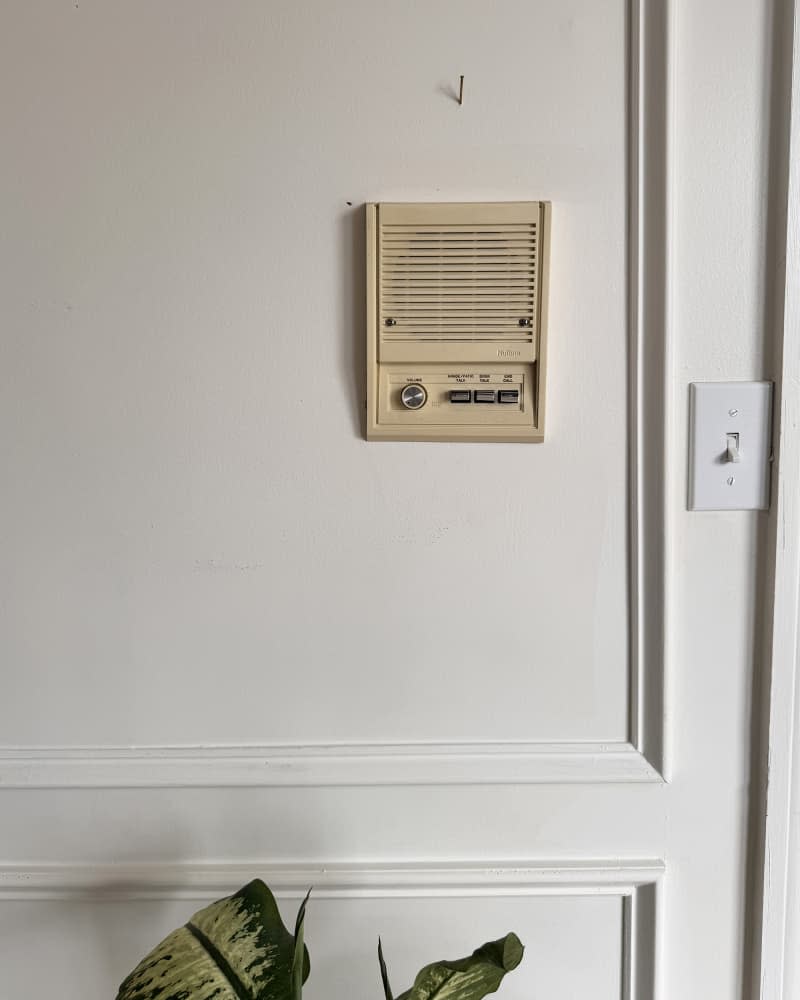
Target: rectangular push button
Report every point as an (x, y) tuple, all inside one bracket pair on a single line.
[(460, 396), (484, 395), (508, 396)]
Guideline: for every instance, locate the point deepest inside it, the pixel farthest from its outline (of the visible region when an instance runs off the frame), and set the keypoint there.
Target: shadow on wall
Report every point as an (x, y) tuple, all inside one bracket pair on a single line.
[(94, 940), (352, 353), (126, 919), (125, 929), (93, 923)]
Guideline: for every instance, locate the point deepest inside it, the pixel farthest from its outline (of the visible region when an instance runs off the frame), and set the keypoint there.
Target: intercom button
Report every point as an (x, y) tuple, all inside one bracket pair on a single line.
[(484, 396), (460, 396), (508, 396)]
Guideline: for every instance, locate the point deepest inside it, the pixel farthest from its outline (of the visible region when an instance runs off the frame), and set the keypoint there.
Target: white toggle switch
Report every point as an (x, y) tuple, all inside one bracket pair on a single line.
[(732, 450), (730, 445)]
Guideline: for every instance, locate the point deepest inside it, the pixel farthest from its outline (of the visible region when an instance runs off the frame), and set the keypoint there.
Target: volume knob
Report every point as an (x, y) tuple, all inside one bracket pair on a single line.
[(413, 397)]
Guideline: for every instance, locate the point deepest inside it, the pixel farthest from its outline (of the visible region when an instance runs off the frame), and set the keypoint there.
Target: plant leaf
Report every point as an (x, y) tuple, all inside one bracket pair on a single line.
[(299, 959), (234, 949), (387, 989), (468, 978)]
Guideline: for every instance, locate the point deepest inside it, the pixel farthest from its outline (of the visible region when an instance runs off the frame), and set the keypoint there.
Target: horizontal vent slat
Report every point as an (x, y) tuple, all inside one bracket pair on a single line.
[(456, 281), (436, 334), (422, 253), (500, 303), (486, 336), (457, 323), (458, 229), (395, 307), (470, 295), (446, 249), (460, 309), (466, 240), (460, 278), (462, 317), (457, 246), (468, 290), (457, 271), (500, 336), (413, 233), (401, 258)]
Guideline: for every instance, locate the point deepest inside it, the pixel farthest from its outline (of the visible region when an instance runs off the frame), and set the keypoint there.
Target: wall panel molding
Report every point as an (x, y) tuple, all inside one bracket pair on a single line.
[(640, 757), (648, 364), (63, 880), (636, 883), (330, 764)]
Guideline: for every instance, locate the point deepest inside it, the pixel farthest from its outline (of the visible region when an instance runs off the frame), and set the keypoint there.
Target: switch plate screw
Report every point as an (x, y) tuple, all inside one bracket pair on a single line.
[(730, 480), (733, 413)]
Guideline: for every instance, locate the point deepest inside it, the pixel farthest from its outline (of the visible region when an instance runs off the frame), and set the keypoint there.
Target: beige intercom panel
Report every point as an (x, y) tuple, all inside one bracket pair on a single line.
[(456, 321)]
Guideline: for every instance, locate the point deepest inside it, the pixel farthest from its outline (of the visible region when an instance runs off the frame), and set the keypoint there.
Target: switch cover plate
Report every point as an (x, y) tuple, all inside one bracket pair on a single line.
[(726, 417)]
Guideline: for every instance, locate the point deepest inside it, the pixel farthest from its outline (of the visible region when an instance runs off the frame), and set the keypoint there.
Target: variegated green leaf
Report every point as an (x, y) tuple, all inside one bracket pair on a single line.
[(468, 978), (234, 949), (299, 975)]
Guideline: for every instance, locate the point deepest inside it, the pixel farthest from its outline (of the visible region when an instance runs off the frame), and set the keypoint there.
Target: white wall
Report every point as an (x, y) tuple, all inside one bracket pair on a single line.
[(194, 510), (200, 547)]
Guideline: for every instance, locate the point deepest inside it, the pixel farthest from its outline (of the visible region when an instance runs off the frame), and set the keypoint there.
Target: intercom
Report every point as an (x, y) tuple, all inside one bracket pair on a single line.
[(457, 321)]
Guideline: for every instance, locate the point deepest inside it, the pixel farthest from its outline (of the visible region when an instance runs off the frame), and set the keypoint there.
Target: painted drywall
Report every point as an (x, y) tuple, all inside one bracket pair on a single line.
[(203, 546)]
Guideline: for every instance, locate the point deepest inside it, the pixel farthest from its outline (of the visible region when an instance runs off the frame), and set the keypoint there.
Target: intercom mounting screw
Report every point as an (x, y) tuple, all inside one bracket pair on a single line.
[(525, 321), (390, 322)]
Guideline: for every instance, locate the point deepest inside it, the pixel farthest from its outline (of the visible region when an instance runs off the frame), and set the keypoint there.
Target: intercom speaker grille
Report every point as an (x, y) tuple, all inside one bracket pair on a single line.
[(458, 282)]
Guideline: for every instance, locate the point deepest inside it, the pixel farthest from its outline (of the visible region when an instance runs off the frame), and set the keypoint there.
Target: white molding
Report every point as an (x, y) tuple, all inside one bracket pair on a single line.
[(642, 756), (330, 880), (640, 941), (780, 934), (336, 764), (635, 882), (648, 368)]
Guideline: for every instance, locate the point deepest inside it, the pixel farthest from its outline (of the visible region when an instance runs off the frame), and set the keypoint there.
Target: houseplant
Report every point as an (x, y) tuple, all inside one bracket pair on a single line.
[(239, 949)]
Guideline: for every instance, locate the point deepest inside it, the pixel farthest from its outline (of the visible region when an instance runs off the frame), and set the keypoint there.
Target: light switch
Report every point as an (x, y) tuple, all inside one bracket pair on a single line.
[(730, 445), (732, 448)]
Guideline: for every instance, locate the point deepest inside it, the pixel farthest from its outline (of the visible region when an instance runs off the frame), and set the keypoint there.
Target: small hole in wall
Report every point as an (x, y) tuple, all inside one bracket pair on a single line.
[(349, 204)]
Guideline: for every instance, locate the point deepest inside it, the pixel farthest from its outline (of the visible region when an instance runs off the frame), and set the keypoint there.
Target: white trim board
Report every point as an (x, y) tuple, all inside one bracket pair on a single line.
[(330, 880), (778, 979), (332, 764), (640, 757)]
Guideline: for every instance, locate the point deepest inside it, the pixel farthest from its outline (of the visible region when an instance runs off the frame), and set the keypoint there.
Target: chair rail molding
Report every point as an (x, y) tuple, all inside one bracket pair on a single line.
[(640, 757), (323, 764), (333, 880)]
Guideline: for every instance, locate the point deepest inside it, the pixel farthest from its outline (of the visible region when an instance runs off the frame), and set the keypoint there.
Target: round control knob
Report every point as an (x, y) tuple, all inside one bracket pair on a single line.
[(413, 397)]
